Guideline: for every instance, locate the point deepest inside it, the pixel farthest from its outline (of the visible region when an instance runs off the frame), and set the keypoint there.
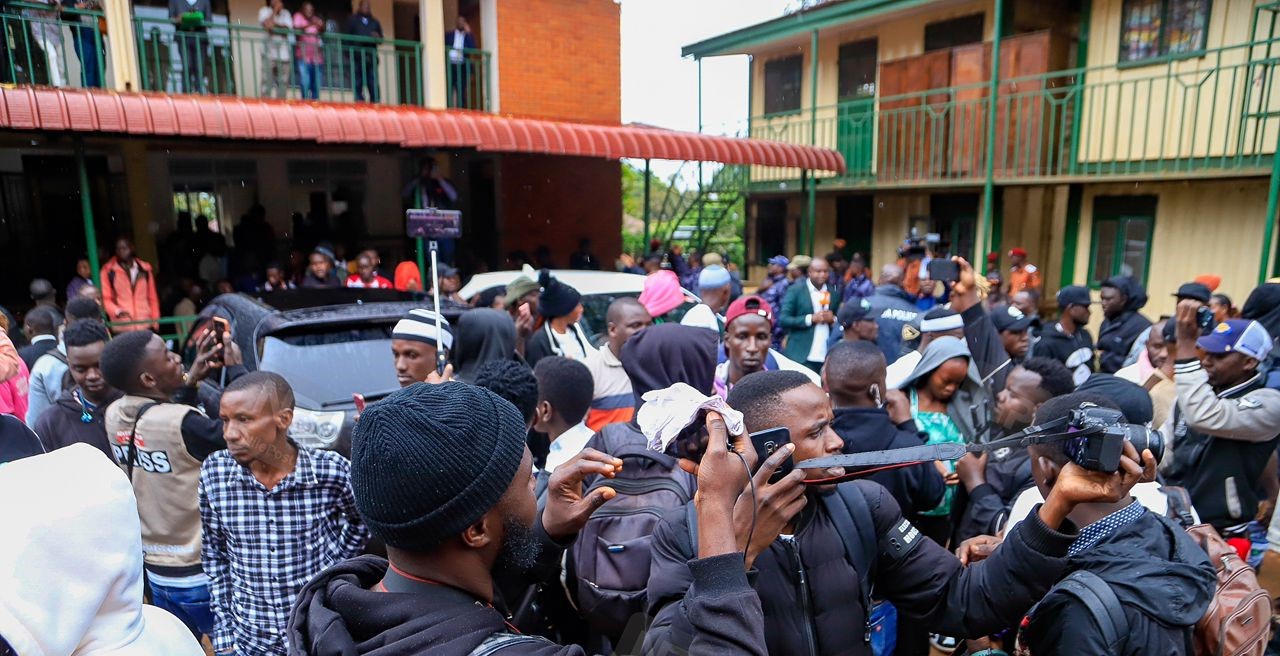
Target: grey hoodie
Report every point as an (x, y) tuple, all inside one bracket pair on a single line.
[(970, 408)]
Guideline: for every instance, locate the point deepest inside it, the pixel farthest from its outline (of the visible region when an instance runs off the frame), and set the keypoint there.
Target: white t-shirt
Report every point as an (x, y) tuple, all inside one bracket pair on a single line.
[(569, 344), (459, 42), (821, 331), (277, 44)]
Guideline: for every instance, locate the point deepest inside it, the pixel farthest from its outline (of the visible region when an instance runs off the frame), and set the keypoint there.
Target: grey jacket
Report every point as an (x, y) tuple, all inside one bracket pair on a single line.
[(970, 408)]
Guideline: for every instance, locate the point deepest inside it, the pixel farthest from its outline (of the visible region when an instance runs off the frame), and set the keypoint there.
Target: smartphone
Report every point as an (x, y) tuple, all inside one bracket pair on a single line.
[(767, 442), (943, 270), (220, 327)]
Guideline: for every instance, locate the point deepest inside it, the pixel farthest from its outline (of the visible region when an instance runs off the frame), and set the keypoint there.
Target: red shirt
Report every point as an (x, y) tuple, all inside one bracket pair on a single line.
[(379, 282)]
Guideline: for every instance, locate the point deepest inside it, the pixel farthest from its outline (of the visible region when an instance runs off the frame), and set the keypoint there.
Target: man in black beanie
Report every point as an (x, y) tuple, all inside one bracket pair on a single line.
[(560, 307), (441, 474)]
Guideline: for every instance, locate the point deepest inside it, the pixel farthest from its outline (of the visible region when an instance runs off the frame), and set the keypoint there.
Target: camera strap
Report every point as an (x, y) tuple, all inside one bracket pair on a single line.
[(887, 459)]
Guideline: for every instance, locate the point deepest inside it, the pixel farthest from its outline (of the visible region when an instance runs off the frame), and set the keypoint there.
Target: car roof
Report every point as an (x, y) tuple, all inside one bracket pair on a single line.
[(587, 283)]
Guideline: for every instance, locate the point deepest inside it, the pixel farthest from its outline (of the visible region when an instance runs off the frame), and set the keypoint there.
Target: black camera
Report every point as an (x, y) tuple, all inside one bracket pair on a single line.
[(1102, 434), (1204, 318)]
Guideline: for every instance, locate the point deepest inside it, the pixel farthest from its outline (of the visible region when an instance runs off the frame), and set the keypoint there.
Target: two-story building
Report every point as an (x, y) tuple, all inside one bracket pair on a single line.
[(1106, 137), (122, 119)]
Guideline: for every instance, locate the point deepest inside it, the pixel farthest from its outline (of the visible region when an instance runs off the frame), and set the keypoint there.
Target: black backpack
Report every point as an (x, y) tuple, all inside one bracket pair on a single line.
[(607, 568)]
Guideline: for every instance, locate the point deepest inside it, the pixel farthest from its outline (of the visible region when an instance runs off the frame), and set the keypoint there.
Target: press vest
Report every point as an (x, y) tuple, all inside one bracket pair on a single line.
[(165, 480)]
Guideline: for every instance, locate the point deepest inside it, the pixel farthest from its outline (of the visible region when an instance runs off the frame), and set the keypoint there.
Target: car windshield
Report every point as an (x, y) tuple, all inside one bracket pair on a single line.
[(307, 360)]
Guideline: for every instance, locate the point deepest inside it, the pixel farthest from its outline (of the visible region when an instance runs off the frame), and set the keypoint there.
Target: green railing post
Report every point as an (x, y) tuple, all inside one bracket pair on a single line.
[(1273, 203), (646, 204), (982, 239), (86, 209)]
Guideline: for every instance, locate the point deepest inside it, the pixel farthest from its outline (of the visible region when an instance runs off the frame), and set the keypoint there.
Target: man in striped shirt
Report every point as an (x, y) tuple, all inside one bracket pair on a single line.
[(613, 402)]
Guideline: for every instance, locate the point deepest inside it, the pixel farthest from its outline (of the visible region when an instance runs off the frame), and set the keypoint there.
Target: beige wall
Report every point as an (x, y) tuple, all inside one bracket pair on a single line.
[(1035, 219), (1187, 108), (1201, 227)]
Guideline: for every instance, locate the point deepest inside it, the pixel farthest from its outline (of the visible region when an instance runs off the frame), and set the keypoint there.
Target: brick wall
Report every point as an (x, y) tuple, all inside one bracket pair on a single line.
[(557, 201), (561, 59)]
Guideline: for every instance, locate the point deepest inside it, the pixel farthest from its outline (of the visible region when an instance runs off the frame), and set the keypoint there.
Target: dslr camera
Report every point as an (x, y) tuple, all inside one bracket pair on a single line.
[(1095, 438)]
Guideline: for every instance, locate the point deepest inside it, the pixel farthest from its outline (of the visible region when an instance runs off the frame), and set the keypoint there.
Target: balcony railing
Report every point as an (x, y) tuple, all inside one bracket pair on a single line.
[(247, 61), (467, 72), (1216, 112), (47, 46)]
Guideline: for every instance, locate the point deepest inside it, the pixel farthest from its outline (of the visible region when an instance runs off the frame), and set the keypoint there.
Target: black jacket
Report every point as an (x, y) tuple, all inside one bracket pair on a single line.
[(61, 424), (926, 584), (339, 613), (32, 352), (1162, 578), (892, 307), (1116, 336), (915, 488), (1057, 345), (983, 509), (988, 351)]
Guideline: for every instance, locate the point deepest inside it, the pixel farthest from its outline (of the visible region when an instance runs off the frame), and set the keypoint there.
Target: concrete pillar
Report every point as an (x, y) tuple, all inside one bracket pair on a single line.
[(139, 181), (489, 28), (122, 47), (431, 24)]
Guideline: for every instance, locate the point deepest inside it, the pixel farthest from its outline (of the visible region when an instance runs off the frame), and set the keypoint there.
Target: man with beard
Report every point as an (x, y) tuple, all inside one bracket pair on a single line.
[(993, 480), (441, 474), (817, 549), (274, 515), (1122, 297)]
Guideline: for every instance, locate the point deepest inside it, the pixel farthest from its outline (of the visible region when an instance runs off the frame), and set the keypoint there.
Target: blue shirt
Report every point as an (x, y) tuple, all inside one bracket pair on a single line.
[(1105, 527)]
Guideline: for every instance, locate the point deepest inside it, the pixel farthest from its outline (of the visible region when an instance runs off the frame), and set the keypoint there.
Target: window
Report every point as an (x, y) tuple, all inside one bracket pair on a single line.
[(951, 33), (782, 80), (198, 203), (771, 229), (1122, 228), (858, 69), (1155, 28)]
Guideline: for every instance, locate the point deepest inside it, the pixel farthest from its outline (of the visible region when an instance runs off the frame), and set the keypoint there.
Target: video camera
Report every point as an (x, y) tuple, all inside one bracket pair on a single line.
[(1094, 436)]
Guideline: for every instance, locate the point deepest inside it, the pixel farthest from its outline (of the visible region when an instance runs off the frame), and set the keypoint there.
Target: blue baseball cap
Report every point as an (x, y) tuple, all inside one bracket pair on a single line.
[(780, 260), (1238, 336)]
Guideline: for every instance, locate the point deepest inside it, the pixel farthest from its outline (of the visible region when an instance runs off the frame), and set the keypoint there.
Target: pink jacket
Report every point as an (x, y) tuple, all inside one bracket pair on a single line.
[(13, 393)]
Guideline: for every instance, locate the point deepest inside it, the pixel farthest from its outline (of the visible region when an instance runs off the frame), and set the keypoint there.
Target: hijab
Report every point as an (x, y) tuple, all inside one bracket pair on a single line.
[(483, 335), (663, 355)]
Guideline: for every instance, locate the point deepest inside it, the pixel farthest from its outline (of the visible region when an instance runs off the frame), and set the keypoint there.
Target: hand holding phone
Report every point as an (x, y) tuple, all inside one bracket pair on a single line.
[(943, 270), (767, 442)]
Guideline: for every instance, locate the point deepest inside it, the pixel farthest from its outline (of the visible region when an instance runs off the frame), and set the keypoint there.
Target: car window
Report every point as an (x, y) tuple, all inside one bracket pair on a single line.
[(595, 310), (307, 362)]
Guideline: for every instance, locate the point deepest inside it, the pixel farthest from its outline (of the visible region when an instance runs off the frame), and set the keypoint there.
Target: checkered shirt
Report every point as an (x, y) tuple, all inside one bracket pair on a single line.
[(1103, 528), (260, 546)]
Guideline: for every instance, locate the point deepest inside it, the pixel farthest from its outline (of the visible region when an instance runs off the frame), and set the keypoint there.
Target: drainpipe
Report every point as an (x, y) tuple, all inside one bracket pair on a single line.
[(813, 132), (988, 184), (86, 209)]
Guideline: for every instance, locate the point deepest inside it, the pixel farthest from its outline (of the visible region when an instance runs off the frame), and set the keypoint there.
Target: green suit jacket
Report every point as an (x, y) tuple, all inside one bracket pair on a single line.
[(796, 305)]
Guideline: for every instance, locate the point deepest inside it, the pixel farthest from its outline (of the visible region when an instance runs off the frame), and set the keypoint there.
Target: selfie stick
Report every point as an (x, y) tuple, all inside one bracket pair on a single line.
[(441, 359)]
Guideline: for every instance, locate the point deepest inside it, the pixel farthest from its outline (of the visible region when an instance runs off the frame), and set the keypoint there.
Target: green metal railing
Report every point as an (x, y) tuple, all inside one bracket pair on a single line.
[(467, 74), (1218, 111), (51, 46), (246, 61), (180, 326)]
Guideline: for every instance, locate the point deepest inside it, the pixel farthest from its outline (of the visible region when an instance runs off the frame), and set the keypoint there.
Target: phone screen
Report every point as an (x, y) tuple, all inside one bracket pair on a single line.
[(767, 442), (943, 270)]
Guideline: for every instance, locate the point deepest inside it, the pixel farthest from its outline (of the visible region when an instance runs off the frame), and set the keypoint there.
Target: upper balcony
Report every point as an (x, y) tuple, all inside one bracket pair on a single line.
[(1213, 113), (219, 57)]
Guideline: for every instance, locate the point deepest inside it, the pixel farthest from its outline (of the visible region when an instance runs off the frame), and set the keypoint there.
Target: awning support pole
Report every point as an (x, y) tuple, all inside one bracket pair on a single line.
[(812, 212), (86, 210), (1273, 203), (646, 208), (983, 238)]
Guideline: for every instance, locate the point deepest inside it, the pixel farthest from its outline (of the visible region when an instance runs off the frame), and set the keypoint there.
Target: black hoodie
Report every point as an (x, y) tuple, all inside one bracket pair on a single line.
[(916, 488), (1116, 336), (1161, 577), (338, 614)]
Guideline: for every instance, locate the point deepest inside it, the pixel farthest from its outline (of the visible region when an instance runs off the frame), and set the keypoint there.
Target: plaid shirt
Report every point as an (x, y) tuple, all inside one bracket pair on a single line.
[(262, 546)]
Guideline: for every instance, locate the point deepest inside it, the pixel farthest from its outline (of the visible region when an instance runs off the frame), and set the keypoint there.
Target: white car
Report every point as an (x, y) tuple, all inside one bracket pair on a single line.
[(598, 289)]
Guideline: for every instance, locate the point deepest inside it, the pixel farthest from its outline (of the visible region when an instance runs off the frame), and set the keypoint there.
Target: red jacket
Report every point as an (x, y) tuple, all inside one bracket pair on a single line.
[(126, 301)]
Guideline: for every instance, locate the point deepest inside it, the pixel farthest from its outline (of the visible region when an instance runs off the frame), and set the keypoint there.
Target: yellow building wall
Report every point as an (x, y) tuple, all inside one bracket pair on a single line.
[(1200, 227), (901, 35), (1186, 108)]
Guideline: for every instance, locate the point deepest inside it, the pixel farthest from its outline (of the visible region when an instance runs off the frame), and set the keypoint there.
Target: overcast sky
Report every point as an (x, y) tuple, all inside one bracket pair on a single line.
[(661, 88)]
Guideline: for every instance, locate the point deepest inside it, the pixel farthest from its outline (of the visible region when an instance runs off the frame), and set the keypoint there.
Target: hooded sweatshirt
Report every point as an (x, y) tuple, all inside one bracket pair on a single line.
[(1116, 336), (970, 407), (63, 424), (71, 562), (1263, 306), (1162, 578), (483, 335)]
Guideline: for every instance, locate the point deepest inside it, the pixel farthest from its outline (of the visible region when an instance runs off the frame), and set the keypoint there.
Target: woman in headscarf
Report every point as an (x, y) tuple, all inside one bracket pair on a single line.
[(482, 335), (408, 278)]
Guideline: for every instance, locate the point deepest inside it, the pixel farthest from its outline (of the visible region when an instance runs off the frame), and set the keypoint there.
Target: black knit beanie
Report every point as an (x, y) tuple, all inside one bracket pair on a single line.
[(557, 299), (430, 460)]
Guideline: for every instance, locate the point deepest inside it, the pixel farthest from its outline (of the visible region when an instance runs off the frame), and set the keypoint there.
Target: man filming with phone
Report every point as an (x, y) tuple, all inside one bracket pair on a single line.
[(819, 549)]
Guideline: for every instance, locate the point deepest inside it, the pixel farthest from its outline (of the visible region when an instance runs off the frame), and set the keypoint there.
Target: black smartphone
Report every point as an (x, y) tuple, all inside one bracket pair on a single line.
[(220, 326), (943, 270), (767, 442)]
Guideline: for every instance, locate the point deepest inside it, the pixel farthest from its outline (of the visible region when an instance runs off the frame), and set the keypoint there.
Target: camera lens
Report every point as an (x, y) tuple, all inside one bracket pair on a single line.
[(1144, 438)]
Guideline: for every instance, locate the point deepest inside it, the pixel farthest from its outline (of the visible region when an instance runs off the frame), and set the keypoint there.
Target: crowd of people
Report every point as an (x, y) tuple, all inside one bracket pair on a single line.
[(528, 491)]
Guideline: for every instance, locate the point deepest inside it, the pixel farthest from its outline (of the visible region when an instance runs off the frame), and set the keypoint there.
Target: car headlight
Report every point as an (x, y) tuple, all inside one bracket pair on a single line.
[(318, 430)]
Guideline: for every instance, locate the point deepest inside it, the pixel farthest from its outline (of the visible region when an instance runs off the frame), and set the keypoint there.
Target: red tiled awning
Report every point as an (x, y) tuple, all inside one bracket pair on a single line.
[(224, 117)]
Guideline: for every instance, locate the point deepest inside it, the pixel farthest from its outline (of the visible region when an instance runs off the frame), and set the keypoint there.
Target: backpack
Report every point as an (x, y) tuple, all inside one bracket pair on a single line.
[(607, 568), (1237, 622)]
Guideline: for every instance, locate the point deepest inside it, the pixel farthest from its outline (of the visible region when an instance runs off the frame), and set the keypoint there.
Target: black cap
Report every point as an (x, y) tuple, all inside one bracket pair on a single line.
[(1008, 317), (853, 312), (1194, 290), (1074, 295)]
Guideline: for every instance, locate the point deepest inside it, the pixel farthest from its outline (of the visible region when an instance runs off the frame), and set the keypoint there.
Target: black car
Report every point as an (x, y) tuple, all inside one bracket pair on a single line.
[(328, 343)]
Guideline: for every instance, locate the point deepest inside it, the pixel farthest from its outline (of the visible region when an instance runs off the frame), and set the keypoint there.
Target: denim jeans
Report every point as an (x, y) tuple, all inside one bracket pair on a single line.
[(309, 80), (86, 45), (190, 605), (884, 628), (364, 73)]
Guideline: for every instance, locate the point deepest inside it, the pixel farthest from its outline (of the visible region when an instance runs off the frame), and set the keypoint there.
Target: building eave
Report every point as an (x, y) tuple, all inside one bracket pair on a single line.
[(820, 17)]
